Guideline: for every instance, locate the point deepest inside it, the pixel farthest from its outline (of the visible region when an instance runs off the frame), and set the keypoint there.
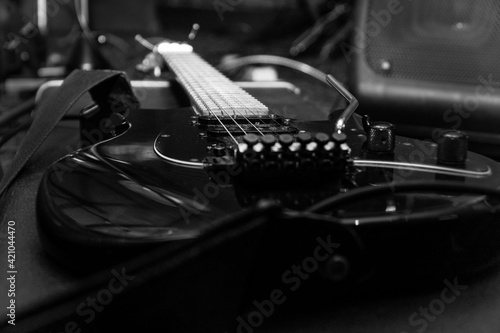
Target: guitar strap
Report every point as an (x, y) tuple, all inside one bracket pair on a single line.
[(110, 90)]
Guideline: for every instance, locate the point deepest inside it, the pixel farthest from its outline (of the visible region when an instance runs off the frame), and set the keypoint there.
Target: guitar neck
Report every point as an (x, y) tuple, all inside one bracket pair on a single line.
[(211, 93)]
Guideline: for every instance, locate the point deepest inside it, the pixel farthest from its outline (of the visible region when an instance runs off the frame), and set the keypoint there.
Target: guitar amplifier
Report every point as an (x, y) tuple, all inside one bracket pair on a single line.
[(428, 66)]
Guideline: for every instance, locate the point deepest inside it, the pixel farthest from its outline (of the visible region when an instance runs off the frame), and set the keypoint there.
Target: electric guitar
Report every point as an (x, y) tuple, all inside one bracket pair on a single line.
[(163, 176)]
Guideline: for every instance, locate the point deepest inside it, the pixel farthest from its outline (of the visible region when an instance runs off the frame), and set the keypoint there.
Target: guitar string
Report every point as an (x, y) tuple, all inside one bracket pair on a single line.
[(182, 77), (220, 107), (276, 123), (222, 124), (219, 120), (195, 57), (230, 103), (235, 110), (273, 120), (224, 111), (244, 106), (218, 92)]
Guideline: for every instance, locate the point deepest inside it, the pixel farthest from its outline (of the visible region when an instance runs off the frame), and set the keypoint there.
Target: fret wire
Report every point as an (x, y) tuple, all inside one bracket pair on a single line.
[(222, 124), (250, 110), (213, 82), (218, 119), (248, 119), (220, 107), (228, 132), (203, 82), (245, 119), (246, 107), (234, 120), (223, 96)]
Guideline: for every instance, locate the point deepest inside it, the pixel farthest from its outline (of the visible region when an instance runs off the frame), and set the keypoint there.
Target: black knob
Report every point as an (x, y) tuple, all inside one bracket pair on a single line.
[(339, 138), (452, 147), (380, 137), (304, 138), (322, 138), (285, 140), (268, 140), (251, 139)]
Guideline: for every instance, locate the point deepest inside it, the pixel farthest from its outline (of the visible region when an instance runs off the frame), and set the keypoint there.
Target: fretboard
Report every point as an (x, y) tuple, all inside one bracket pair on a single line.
[(210, 91)]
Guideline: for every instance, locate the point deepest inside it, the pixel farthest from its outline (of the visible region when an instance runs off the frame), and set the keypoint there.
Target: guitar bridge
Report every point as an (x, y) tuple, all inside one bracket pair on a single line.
[(285, 159)]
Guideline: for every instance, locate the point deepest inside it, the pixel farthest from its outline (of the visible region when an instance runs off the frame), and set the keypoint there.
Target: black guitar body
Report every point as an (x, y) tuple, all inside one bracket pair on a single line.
[(168, 177), (120, 195), (132, 192)]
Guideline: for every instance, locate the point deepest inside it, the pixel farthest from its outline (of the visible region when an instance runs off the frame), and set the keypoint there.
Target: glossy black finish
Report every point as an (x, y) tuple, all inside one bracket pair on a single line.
[(119, 195)]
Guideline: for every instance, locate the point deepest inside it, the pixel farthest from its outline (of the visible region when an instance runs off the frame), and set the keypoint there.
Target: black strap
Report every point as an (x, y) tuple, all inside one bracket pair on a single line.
[(110, 90)]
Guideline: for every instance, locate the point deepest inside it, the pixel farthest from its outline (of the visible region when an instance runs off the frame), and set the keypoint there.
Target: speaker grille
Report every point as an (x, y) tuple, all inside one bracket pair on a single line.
[(452, 41)]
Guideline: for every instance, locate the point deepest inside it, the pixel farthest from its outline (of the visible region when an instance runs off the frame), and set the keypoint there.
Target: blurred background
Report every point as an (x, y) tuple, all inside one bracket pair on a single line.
[(250, 26), (434, 62), (43, 40)]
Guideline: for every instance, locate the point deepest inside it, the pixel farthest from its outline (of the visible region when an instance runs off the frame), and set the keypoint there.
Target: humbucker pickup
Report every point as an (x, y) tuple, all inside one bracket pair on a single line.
[(241, 125)]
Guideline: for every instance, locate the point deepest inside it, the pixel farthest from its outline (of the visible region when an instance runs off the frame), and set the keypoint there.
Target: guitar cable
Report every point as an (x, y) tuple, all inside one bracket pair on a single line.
[(410, 186)]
